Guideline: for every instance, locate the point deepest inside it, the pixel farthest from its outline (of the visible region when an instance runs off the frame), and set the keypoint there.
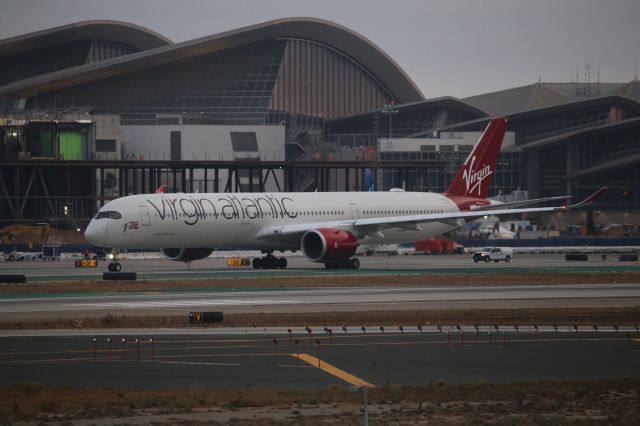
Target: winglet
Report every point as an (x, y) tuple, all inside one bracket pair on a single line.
[(589, 200), (162, 189)]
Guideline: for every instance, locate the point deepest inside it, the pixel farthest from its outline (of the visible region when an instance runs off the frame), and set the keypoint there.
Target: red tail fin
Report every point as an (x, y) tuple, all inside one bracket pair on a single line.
[(474, 177)]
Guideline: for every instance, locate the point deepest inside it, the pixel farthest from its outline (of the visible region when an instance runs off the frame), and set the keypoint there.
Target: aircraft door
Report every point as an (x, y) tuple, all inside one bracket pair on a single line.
[(145, 217), (355, 213)]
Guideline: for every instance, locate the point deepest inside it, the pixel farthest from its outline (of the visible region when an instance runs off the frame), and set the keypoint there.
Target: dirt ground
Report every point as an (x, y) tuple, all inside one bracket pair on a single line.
[(423, 280), (537, 403), (389, 318)]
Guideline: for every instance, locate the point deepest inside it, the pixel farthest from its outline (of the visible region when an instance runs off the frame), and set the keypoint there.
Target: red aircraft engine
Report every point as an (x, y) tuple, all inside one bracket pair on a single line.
[(328, 245)]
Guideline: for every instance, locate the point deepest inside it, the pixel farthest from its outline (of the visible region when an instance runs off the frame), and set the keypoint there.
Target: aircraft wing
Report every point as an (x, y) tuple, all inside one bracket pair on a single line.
[(363, 227), (512, 204)]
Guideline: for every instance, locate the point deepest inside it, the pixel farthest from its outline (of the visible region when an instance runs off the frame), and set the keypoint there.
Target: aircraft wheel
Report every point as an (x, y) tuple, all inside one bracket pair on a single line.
[(355, 263), (507, 259), (110, 266), (282, 263), (257, 263), (487, 260), (117, 267)]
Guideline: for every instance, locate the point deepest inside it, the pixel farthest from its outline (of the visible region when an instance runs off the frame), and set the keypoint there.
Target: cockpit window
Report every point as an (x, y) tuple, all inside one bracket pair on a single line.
[(108, 215)]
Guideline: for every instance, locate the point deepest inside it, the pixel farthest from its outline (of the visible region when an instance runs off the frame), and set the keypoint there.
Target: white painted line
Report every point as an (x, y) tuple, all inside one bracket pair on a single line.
[(223, 364)]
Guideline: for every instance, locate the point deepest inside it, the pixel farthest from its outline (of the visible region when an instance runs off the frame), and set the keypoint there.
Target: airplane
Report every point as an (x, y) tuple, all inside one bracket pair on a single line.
[(326, 226)]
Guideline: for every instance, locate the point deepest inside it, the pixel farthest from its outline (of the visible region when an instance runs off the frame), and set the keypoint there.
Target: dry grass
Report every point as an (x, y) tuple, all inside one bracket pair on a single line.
[(549, 316), (422, 280), (578, 402)]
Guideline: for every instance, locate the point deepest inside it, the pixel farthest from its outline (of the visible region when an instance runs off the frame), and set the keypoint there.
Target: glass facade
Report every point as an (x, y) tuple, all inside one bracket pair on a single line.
[(298, 82), (595, 150), (101, 50), (555, 124), (509, 175), (231, 87), (316, 82), (53, 58)]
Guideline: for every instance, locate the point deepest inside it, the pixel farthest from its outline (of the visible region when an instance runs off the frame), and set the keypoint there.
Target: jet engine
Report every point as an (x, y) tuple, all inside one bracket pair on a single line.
[(327, 245), (186, 254)]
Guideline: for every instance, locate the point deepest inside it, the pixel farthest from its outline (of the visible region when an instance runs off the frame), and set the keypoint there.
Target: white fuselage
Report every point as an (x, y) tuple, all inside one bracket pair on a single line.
[(218, 220)]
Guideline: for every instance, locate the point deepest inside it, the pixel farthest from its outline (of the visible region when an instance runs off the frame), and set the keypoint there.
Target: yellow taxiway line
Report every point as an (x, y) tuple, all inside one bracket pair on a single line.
[(334, 371)]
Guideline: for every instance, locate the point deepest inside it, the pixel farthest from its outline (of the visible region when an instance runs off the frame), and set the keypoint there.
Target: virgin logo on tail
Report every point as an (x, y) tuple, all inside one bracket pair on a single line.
[(473, 178)]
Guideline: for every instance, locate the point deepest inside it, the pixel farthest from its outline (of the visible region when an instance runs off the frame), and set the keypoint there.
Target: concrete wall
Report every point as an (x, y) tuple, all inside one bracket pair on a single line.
[(108, 127), (200, 142), (446, 138), (204, 143)]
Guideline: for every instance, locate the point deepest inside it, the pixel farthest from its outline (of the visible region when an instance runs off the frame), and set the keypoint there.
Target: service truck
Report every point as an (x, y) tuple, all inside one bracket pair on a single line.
[(496, 254)]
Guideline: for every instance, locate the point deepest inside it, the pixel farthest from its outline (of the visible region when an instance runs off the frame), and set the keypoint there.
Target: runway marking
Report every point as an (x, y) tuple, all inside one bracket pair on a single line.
[(168, 304), (45, 361), (198, 363), (131, 358), (334, 371)]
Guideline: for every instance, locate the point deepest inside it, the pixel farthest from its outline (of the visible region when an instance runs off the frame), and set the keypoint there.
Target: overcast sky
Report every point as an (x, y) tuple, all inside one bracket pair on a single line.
[(448, 47)]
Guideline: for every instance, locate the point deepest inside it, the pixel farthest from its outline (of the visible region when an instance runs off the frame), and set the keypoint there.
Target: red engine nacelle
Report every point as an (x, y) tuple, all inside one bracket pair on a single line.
[(186, 254), (326, 244)]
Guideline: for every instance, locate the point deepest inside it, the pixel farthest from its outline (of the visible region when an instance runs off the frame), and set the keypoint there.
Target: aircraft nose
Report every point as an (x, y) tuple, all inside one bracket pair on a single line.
[(93, 234)]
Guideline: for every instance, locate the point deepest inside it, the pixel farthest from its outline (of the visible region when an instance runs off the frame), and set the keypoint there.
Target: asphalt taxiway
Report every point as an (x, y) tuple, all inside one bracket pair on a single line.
[(27, 306), (216, 268), (375, 359), (233, 359)]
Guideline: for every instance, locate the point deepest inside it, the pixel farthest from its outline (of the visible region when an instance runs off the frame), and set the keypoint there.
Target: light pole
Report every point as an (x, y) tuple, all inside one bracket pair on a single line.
[(390, 108)]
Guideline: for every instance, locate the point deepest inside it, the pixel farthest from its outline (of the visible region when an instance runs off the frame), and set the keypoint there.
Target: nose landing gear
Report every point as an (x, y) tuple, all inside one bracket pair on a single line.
[(114, 265)]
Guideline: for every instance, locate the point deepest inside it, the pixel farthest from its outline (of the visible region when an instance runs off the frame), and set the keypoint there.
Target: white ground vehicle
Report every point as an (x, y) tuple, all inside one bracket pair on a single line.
[(496, 254)]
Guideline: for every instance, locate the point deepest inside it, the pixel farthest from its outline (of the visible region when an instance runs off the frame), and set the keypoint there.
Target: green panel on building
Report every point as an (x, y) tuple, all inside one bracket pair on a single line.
[(70, 146), (46, 148)]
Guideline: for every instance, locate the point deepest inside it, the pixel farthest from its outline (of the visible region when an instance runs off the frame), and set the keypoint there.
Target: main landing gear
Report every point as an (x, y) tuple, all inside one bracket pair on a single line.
[(343, 264), (269, 262)]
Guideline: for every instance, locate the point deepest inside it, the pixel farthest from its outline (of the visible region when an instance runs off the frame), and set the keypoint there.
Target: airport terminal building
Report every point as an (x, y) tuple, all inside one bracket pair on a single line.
[(94, 110)]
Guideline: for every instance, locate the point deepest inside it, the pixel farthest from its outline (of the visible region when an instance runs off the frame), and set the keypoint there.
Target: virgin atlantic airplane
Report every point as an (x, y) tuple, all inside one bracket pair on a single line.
[(326, 226)]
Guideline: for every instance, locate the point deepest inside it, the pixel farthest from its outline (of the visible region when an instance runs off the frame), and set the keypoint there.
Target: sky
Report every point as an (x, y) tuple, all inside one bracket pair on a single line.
[(448, 48)]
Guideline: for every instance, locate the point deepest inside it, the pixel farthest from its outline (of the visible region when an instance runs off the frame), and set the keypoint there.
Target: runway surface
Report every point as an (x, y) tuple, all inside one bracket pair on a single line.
[(26, 306), (246, 361), (212, 268)]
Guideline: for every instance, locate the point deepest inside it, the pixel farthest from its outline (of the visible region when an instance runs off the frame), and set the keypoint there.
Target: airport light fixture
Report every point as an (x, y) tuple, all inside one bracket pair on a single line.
[(390, 109)]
